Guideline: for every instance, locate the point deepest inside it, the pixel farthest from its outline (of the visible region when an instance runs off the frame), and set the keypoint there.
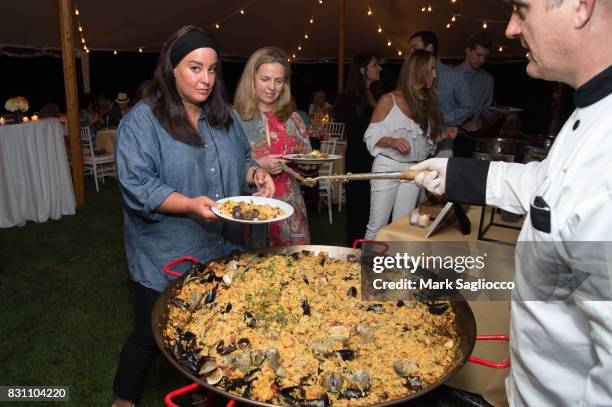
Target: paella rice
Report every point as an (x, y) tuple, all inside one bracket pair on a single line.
[(291, 329), (250, 210)]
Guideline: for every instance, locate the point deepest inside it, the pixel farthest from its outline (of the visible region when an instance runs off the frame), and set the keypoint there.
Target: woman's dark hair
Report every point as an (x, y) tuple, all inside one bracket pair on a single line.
[(162, 96), (377, 89), (416, 71), (356, 84)]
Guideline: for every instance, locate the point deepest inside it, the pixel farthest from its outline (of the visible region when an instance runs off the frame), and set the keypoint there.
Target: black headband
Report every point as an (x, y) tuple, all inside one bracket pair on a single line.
[(188, 42)]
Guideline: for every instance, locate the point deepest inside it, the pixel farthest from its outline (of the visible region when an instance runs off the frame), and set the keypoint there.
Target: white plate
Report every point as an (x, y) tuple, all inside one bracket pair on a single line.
[(288, 209), (506, 109), (300, 160)]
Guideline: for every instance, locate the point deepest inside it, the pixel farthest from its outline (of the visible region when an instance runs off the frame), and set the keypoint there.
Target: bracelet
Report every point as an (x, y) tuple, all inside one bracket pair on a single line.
[(257, 168)]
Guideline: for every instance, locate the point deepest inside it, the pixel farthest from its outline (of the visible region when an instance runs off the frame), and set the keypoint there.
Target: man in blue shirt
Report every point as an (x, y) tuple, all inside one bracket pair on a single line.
[(480, 83), (454, 96)]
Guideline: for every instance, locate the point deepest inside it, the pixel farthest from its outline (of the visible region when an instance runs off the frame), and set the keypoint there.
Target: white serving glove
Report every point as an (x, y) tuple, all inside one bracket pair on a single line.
[(435, 180)]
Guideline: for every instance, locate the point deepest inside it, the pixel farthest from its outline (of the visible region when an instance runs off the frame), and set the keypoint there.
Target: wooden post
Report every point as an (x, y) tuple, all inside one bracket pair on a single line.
[(341, 13), (72, 98)]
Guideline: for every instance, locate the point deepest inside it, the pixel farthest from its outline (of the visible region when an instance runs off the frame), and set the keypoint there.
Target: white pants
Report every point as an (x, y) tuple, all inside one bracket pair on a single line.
[(388, 194)]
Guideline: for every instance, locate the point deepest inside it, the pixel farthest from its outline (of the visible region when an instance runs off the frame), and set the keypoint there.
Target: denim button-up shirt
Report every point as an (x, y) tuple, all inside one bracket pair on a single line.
[(454, 99), (150, 166)]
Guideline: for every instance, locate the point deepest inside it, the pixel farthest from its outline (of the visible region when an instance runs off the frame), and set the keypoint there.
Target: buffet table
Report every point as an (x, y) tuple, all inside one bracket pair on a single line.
[(35, 182), (492, 317)]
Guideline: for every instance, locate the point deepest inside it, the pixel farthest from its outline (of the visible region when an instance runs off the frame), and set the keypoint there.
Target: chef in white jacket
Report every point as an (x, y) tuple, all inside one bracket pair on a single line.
[(561, 350)]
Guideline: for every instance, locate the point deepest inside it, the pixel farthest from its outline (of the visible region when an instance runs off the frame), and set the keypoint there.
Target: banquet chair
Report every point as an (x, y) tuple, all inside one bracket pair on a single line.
[(335, 130), (98, 165), (326, 188)]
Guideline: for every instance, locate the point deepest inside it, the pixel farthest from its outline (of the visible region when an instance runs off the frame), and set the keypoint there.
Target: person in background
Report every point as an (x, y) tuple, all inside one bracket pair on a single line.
[(105, 104), (305, 117), (480, 83), (377, 89), (319, 105), (49, 110), (89, 117), (118, 109), (358, 104), (561, 308), (452, 92), (266, 112), (178, 150), (404, 129)]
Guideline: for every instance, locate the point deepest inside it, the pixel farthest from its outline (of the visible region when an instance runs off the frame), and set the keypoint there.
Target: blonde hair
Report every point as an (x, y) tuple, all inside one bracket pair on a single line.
[(421, 100), (246, 101)]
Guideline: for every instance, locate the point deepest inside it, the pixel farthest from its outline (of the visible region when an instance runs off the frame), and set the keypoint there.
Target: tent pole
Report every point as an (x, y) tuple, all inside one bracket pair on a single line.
[(72, 99), (341, 14)]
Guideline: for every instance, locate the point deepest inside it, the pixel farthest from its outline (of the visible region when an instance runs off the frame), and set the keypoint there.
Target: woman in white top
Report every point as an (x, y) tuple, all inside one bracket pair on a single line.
[(400, 135)]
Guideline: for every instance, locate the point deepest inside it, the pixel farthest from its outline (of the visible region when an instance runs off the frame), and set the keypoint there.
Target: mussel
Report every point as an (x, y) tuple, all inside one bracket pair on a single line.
[(437, 308), (376, 308), (331, 381), (306, 307), (413, 383), (352, 292), (360, 380)]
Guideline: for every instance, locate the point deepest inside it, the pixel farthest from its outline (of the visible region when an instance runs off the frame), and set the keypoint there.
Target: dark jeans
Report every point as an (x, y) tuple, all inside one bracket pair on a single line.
[(139, 349)]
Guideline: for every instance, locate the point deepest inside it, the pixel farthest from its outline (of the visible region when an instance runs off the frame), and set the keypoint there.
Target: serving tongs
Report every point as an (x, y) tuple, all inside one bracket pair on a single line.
[(407, 175)]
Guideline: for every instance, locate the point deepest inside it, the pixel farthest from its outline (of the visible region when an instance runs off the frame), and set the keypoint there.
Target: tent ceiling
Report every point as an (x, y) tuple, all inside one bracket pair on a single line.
[(126, 25)]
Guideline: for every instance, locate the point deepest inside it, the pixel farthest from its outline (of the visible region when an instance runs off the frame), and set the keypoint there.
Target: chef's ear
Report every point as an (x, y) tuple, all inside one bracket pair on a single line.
[(583, 12)]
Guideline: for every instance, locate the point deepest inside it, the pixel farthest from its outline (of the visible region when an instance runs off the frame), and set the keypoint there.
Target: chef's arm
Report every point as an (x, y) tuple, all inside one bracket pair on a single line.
[(508, 186)]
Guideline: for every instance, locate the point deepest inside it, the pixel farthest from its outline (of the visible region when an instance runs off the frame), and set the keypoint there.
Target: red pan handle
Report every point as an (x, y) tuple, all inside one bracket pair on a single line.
[(177, 261), (487, 363), (178, 392), (357, 241)]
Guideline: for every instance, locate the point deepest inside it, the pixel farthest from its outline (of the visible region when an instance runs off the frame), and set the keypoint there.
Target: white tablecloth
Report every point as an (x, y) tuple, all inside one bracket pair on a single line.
[(35, 181)]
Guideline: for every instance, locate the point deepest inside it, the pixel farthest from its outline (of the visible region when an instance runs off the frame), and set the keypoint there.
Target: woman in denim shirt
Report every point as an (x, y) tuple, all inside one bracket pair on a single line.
[(178, 151)]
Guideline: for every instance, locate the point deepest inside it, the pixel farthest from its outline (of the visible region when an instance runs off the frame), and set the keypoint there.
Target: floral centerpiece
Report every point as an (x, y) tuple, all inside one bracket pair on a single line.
[(17, 105)]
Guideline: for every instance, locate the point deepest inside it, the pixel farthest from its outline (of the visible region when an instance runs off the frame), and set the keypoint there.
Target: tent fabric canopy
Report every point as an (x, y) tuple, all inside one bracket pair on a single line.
[(127, 25)]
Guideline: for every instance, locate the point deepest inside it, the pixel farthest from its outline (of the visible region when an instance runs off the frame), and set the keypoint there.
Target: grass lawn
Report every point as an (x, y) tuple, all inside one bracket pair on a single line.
[(65, 305)]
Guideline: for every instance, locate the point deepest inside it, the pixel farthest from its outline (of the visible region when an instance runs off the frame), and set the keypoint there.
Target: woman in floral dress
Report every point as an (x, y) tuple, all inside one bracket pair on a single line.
[(267, 115)]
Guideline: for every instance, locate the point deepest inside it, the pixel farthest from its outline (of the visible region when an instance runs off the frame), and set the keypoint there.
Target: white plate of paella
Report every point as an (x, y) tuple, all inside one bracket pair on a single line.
[(252, 209)]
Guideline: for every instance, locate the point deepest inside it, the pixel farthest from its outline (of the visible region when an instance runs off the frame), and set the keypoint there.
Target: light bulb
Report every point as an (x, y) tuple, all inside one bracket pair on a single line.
[(484, 25), (448, 25), (242, 12), (453, 19), (379, 29), (369, 11), (217, 26), (429, 8), (140, 50), (115, 52), (76, 11), (389, 43)]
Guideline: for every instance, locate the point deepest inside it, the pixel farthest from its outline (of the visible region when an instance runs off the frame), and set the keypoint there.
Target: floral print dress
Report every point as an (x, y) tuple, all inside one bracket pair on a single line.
[(286, 137)]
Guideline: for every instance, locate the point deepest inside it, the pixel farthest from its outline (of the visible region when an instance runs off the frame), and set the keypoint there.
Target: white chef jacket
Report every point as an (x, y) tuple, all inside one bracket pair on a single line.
[(562, 351)]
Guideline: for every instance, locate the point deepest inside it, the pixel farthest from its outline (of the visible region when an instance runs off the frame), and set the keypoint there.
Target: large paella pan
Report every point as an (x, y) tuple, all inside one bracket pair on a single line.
[(285, 326)]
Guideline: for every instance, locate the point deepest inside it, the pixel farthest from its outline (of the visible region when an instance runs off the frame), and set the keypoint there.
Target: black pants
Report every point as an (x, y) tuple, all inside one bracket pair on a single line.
[(139, 349), (357, 210)]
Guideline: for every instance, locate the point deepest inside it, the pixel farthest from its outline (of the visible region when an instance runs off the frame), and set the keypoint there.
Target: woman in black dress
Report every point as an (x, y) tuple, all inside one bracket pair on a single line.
[(358, 104)]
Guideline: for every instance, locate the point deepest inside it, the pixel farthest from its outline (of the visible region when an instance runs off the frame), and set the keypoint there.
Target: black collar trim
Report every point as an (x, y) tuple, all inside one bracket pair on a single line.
[(595, 89)]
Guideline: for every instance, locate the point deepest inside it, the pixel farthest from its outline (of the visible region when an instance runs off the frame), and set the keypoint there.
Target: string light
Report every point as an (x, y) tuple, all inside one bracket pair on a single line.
[(115, 52), (76, 11), (389, 43), (501, 48), (306, 35), (453, 1), (140, 50), (423, 9), (242, 11), (320, 1), (299, 47), (484, 25), (454, 18), (429, 8), (448, 25), (379, 29), (311, 21), (293, 55), (217, 26), (83, 40), (80, 29), (369, 11), (399, 52)]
